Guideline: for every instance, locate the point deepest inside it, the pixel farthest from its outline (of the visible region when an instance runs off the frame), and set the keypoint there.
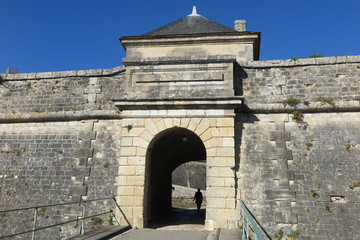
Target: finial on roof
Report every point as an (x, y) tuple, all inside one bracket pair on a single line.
[(194, 13), (194, 10)]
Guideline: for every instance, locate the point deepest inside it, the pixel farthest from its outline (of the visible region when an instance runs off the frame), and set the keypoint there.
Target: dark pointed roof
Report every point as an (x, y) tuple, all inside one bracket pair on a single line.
[(191, 24)]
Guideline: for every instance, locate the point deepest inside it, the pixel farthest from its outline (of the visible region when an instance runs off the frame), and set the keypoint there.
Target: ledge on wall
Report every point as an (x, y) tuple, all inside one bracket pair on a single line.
[(195, 59), (61, 74), (301, 62), (189, 103)]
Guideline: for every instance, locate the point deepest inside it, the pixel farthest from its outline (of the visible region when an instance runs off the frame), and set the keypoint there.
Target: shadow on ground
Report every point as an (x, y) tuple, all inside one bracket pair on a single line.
[(180, 216)]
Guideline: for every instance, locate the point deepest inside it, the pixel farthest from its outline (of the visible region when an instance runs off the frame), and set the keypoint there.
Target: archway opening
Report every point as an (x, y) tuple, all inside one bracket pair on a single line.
[(168, 150), (186, 179)]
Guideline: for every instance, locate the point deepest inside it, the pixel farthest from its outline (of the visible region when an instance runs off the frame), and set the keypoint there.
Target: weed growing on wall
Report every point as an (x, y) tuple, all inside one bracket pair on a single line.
[(329, 100), (314, 193), (354, 185), (316, 55), (348, 146), (279, 234), (326, 205), (291, 101), (129, 127), (298, 117), (308, 146), (111, 221), (293, 234), (97, 222)]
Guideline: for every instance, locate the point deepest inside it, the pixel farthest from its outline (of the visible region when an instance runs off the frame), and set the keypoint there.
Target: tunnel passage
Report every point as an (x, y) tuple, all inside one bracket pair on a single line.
[(166, 152)]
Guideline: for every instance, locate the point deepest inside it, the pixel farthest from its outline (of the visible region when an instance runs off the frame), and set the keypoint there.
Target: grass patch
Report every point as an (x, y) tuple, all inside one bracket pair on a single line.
[(96, 221), (316, 55), (291, 101), (329, 100), (293, 234), (183, 203)]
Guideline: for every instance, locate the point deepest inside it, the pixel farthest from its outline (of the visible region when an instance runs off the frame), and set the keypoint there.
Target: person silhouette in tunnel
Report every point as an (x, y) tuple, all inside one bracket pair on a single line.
[(198, 199)]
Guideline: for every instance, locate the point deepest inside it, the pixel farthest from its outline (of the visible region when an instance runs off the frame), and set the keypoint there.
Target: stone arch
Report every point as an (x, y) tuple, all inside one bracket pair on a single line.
[(138, 134), (169, 149)]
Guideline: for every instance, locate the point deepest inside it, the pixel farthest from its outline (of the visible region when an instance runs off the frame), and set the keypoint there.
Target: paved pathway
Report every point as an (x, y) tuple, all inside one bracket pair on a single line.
[(182, 224), (153, 234)]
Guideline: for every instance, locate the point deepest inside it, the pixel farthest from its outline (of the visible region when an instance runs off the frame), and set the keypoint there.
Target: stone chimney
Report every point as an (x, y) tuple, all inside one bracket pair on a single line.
[(240, 25)]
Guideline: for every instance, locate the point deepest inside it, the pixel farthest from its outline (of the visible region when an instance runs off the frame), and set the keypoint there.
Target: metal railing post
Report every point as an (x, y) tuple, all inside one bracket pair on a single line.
[(243, 223), (83, 217), (34, 227), (247, 227)]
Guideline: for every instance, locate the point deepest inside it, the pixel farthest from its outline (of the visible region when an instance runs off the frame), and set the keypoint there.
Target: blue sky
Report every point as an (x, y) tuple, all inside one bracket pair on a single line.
[(54, 35)]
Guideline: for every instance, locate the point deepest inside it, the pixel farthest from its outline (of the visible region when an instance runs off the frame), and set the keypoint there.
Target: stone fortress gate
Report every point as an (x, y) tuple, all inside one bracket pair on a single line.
[(181, 106), (192, 90)]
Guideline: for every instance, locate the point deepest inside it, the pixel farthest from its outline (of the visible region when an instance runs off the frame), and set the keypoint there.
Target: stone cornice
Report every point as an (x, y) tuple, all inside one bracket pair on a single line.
[(196, 59), (168, 103), (249, 37)]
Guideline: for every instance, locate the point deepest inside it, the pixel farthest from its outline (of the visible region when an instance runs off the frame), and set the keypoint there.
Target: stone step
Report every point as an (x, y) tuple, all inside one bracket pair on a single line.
[(103, 233)]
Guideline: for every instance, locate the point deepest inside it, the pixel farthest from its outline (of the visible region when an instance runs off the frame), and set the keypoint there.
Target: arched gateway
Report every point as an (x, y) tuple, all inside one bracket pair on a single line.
[(181, 83), (168, 150), (151, 147)]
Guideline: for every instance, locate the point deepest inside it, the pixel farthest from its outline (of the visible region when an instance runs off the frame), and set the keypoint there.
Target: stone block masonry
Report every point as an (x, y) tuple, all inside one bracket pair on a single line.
[(50, 163), (288, 187), (40, 165), (63, 137), (325, 84), (60, 95), (135, 140)]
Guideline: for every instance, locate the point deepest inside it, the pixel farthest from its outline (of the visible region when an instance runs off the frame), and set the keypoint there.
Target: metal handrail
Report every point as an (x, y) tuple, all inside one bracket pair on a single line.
[(54, 225), (52, 205), (82, 218), (247, 218)]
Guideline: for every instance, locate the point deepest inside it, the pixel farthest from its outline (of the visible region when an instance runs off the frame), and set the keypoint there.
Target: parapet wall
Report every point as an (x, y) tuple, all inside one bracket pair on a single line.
[(322, 84), (60, 95)]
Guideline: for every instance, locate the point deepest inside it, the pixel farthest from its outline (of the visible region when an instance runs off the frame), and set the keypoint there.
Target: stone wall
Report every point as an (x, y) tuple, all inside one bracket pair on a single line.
[(54, 147), (60, 95), (190, 175), (302, 179), (62, 137), (266, 84), (301, 176)]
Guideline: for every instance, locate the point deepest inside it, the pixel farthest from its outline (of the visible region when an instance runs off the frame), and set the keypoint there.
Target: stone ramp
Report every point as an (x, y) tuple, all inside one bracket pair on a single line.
[(103, 233), (161, 234), (154, 234), (230, 234)]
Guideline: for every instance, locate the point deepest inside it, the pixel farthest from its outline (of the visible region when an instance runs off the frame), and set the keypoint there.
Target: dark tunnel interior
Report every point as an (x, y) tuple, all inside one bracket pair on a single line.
[(168, 150)]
